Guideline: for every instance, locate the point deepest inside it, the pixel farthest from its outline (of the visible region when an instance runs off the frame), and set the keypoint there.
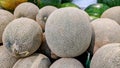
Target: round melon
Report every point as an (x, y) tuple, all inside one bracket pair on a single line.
[(5, 18), (34, 61), (43, 14), (6, 59), (26, 62), (106, 31), (41, 62), (22, 37), (67, 63), (107, 56), (112, 13), (68, 32), (44, 49), (26, 9)]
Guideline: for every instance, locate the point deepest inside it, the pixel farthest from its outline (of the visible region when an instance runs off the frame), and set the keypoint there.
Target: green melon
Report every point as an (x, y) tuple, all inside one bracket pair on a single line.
[(110, 3), (96, 9), (43, 3), (68, 4)]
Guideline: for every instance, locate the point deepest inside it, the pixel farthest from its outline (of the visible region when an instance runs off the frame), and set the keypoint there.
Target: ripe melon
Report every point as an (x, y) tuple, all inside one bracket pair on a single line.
[(67, 63), (22, 37), (34, 61), (43, 14), (107, 56), (41, 62), (26, 62), (106, 31), (6, 59), (68, 32), (5, 18), (112, 13), (26, 9)]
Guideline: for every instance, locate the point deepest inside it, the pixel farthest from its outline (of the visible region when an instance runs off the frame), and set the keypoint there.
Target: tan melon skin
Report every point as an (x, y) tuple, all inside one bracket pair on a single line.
[(112, 13), (6, 59), (34, 61), (66, 63), (44, 49), (22, 37), (26, 62), (43, 14), (68, 32), (107, 56), (106, 31), (5, 18), (26, 9), (41, 62)]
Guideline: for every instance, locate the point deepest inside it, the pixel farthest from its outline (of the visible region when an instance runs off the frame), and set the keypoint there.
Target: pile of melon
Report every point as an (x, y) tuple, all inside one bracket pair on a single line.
[(53, 37)]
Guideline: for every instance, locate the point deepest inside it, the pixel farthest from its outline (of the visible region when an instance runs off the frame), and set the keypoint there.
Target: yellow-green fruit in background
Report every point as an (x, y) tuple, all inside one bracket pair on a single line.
[(11, 4)]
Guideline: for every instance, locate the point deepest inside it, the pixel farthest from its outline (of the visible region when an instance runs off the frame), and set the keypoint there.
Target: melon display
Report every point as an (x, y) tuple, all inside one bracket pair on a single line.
[(6, 59), (106, 31), (68, 32), (5, 18), (26, 9), (107, 56), (67, 63), (22, 37), (112, 13), (43, 14)]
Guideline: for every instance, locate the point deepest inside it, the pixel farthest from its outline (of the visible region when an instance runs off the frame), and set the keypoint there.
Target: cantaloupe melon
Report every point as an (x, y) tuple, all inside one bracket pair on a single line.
[(34, 61), (26, 10), (6, 59), (112, 13), (67, 63), (41, 62), (106, 31), (108, 56), (26, 62), (43, 14), (22, 37), (5, 18), (68, 32)]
